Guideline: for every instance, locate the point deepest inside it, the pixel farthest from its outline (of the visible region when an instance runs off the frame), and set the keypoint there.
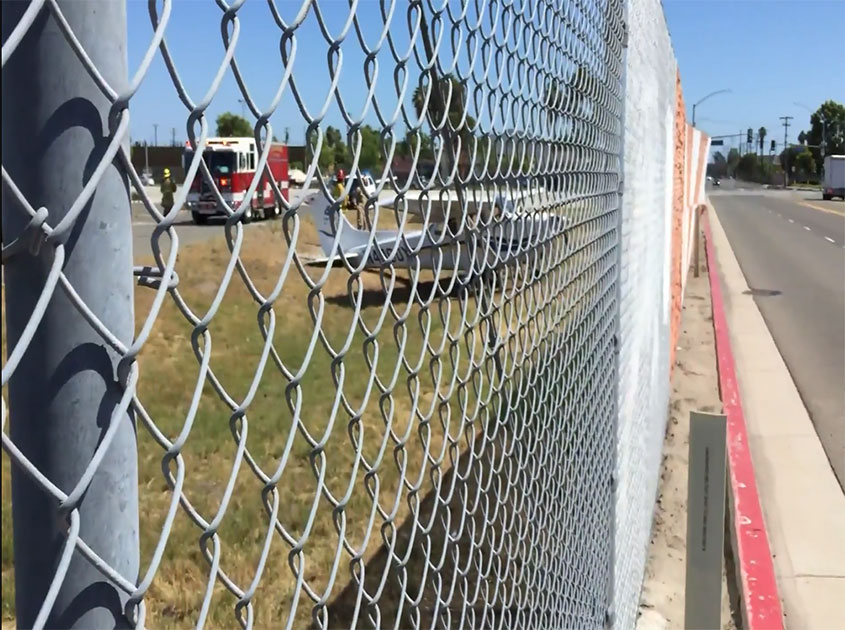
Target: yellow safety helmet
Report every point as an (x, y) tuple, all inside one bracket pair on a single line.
[(167, 172)]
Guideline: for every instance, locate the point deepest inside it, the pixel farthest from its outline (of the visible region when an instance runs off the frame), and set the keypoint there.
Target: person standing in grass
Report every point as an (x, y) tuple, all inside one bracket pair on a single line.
[(168, 188), (358, 202)]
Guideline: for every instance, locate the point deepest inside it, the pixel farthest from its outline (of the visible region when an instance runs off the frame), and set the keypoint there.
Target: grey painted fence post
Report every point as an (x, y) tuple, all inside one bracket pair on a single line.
[(65, 390)]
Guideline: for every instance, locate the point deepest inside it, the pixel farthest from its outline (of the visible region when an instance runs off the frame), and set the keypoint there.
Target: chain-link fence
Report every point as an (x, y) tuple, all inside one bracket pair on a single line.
[(447, 415)]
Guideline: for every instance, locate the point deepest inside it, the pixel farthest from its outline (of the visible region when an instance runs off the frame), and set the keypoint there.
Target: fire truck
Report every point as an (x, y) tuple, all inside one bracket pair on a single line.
[(232, 163)]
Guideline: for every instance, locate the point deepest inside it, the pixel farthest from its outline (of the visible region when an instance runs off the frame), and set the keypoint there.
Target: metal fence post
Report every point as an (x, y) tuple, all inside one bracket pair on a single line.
[(65, 389), (696, 230)]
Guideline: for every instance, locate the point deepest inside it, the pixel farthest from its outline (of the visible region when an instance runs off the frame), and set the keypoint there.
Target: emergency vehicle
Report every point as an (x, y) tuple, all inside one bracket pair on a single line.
[(232, 163)]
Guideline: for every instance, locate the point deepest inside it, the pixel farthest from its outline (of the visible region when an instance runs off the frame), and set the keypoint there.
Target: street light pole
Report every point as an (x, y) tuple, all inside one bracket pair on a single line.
[(694, 105)]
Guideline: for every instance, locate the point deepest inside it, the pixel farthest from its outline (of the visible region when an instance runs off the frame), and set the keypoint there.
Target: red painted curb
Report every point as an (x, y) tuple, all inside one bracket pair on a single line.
[(761, 609)]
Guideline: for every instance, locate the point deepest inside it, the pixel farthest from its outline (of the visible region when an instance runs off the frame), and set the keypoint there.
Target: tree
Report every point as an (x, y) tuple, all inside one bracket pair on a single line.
[(748, 168), (408, 146), (719, 166), (787, 157), (754, 168), (332, 136), (761, 137), (733, 161), (231, 125), (805, 164), (833, 115), (802, 138), (370, 156), (334, 153)]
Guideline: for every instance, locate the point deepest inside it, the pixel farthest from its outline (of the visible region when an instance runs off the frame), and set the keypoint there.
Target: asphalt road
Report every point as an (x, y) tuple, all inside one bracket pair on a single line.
[(791, 247)]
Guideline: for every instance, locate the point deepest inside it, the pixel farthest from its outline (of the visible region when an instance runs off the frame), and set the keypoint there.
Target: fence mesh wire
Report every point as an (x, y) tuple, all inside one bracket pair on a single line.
[(392, 440)]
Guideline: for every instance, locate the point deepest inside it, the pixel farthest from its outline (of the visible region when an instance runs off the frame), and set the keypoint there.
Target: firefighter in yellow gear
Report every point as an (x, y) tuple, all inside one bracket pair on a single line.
[(168, 188), (337, 191), (356, 199)]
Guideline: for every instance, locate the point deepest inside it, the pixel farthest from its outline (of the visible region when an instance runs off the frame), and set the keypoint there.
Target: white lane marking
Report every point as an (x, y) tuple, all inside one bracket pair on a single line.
[(808, 229), (827, 238), (792, 220)]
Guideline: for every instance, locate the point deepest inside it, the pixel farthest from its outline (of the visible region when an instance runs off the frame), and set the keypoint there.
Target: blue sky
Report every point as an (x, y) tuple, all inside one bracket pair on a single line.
[(770, 54), (194, 38)]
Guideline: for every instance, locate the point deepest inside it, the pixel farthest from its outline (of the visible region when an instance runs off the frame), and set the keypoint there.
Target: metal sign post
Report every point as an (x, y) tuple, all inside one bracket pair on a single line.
[(705, 521)]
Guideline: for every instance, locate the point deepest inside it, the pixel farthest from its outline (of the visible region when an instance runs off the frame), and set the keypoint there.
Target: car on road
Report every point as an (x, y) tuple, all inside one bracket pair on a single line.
[(717, 182)]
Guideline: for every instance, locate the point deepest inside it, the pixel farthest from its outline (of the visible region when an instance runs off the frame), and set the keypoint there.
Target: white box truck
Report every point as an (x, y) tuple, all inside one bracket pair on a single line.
[(834, 177)]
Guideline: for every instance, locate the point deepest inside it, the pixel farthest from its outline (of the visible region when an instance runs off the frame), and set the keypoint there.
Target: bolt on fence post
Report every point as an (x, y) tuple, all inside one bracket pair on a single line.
[(65, 389)]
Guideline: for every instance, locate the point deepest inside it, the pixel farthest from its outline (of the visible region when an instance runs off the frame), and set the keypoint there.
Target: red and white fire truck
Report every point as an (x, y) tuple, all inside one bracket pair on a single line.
[(232, 163)]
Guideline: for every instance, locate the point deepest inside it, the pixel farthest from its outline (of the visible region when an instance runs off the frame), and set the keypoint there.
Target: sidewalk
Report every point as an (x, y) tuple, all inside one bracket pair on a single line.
[(695, 387), (803, 505)]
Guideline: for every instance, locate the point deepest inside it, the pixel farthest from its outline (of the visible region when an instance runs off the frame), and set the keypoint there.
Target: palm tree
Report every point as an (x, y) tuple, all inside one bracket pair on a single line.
[(761, 135)]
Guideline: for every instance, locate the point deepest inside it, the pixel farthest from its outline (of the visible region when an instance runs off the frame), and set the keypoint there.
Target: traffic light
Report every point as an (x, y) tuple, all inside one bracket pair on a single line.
[(750, 135), (772, 148)]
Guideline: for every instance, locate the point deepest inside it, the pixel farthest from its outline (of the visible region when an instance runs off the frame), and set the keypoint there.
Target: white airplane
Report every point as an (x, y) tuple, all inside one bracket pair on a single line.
[(511, 235)]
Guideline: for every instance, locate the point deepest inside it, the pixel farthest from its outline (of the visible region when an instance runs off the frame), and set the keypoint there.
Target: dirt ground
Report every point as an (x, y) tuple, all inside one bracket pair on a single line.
[(694, 387)]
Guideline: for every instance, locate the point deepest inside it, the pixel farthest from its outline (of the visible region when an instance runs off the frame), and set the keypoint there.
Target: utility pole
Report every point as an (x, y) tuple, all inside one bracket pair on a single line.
[(173, 136), (155, 134), (824, 136), (785, 120)]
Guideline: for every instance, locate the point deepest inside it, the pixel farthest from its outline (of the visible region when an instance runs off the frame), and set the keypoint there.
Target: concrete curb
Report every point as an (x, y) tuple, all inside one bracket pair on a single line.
[(760, 605)]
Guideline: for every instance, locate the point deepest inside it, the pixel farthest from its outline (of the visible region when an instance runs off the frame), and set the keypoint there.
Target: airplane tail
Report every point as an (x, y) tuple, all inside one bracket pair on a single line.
[(328, 221)]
